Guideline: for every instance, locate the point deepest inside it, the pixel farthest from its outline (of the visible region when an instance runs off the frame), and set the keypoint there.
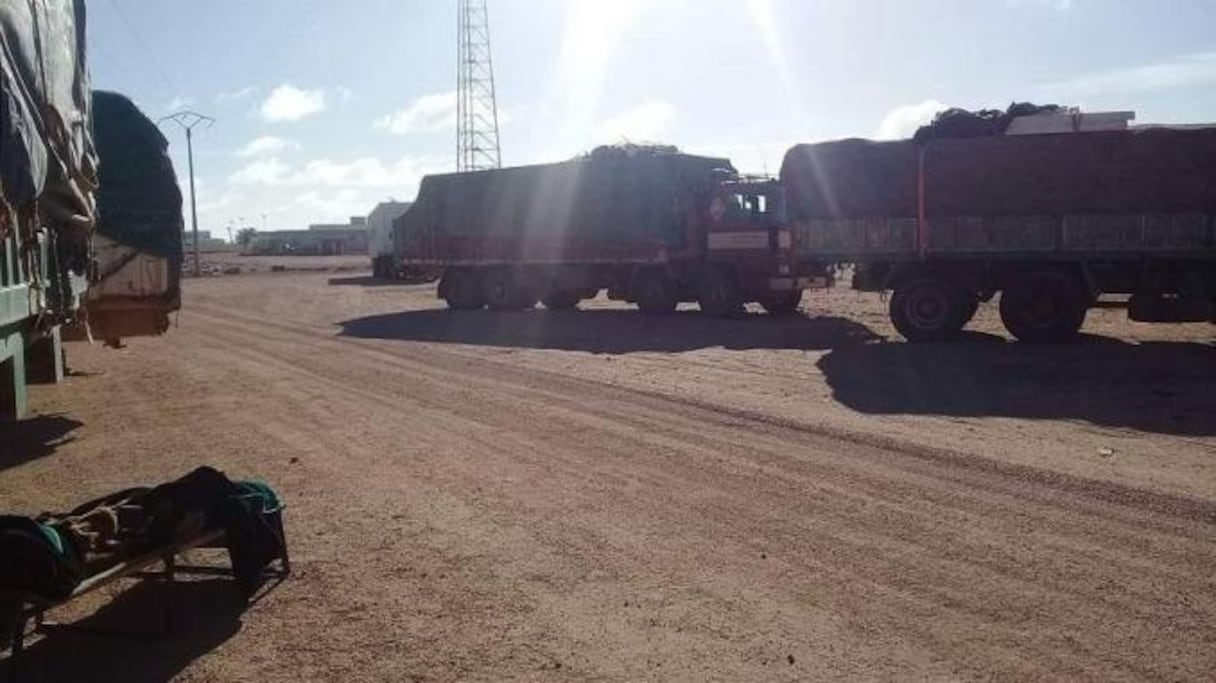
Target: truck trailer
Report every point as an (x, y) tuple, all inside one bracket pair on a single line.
[(1050, 220), (380, 239), (137, 245), (48, 173), (650, 225)]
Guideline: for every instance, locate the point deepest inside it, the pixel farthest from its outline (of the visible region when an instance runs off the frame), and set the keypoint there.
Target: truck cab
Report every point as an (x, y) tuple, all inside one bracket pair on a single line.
[(748, 240)]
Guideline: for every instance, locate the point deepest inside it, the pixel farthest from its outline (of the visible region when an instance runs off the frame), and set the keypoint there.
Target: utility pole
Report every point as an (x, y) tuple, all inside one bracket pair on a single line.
[(188, 120), (476, 108)]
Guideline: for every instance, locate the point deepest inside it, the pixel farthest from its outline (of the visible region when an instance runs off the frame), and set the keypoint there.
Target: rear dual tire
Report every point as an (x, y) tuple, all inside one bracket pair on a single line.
[(462, 290), (1044, 307), (654, 294), (718, 294), (781, 303), (502, 291), (929, 309)]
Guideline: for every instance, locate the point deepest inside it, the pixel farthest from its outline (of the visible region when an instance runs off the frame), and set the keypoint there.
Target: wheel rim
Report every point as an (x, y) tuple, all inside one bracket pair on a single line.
[(497, 292), (1042, 307), (928, 308)]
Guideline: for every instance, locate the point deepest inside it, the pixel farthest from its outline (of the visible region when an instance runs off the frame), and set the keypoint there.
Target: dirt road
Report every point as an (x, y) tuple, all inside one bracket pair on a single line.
[(596, 494)]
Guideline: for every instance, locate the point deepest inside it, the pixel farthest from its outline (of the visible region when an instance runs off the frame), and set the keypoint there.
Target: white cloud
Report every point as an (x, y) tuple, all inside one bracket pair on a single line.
[(270, 171), (333, 205), (1058, 5), (178, 103), (289, 103), (428, 114), (646, 122), (235, 95), (1187, 71), (265, 146), (362, 172), (901, 122)]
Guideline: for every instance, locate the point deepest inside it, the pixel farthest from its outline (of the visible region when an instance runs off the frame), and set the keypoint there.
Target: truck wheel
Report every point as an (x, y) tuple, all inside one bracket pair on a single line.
[(968, 309), (781, 303), (1044, 307), (653, 294), (927, 309), (718, 294), (504, 292), (561, 300), (461, 289)]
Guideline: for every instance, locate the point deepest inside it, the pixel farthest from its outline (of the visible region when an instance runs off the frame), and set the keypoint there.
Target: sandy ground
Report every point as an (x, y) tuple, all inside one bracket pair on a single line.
[(602, 495)]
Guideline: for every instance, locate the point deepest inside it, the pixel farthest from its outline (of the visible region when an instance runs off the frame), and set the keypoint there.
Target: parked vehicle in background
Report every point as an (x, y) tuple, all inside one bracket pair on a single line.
[(650, 225), (47, 178), (137, 247), (1051, 211), (380, 239)]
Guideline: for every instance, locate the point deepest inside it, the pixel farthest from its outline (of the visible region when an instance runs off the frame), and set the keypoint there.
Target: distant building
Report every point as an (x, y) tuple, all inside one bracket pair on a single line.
[(319, 238), (205, 241)]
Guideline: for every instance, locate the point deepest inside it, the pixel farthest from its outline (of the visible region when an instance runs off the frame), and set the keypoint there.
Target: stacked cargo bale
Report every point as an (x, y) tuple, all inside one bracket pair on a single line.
[(139, 200), (1118, 172), (138, 246), (611, 195)]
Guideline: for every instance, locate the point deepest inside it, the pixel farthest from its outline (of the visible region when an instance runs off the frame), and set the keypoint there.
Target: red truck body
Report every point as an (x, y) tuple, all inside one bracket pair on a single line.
[(651, 226), (1051, 222)]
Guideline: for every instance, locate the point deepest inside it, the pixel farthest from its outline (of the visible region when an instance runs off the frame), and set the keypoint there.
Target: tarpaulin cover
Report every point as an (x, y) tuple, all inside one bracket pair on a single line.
[(139, 202), (608, 196), (961, 123), (1156, 170), (46, 148)]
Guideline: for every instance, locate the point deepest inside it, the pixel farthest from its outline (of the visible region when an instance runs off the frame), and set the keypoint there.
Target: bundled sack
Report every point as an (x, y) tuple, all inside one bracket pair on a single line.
[(50, 556)]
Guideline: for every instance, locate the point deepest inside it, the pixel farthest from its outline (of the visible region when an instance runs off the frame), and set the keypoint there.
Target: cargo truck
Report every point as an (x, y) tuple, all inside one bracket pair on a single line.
[(380, 239), (1056, 212), (648, 224), (47, 178), (137, 245)]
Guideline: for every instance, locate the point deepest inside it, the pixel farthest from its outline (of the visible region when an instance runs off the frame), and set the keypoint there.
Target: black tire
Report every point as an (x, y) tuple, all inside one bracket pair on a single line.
[(718, 294), (461, 289), (781, 303), (504, 292), (561, 300), (654, 294), (967, 310), (927, 309), (1044, 307)]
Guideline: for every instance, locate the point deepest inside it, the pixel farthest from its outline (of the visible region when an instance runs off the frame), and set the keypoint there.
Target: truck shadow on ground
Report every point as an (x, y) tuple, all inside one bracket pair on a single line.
[(362, 281), (610, 331), (33, 438), (206, 614), (1163, 387)]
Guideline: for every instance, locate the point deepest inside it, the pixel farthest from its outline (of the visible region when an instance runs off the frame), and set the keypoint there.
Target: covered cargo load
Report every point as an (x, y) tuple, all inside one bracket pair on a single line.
[(1006, 193), (1050, 211), (138, 245), (646, 224), (1135, 171), (47, 178), (607, 206)]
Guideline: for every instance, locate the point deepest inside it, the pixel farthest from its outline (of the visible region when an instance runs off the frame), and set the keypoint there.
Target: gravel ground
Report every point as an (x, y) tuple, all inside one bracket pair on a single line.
[(602, 495)]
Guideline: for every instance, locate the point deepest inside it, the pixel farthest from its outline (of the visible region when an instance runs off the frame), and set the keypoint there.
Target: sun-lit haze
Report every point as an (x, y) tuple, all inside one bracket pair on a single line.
[(325, 108)]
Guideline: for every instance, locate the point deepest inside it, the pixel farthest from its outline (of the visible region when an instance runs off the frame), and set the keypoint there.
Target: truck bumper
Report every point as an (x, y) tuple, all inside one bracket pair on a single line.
[(788, 284)]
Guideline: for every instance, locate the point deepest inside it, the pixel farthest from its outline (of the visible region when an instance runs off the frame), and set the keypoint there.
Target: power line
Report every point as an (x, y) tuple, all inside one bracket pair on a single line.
[(188, 120), (143, 46)]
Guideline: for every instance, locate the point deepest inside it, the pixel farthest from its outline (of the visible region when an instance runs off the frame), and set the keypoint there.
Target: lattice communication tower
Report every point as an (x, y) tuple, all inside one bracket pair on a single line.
[(477, 145)]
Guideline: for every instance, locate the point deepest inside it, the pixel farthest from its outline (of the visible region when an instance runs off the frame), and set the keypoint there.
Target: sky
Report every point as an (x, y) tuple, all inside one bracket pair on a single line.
[(324, 108)]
